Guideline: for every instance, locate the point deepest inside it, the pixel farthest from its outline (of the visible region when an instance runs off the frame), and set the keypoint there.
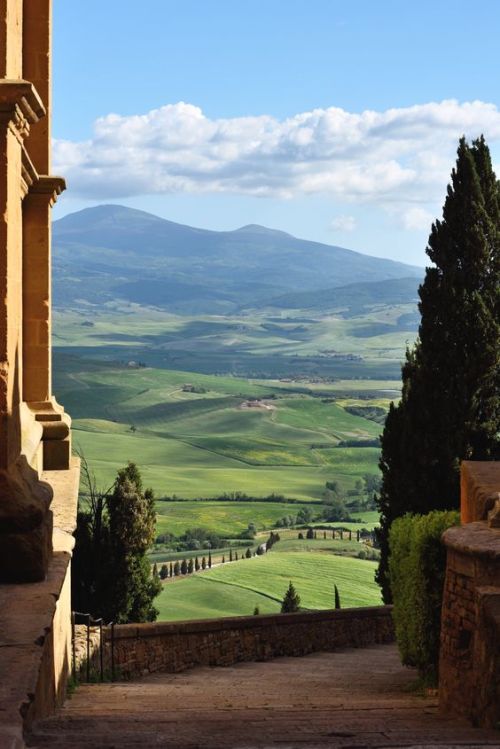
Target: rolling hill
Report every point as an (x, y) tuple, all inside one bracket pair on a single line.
[(111, 253)]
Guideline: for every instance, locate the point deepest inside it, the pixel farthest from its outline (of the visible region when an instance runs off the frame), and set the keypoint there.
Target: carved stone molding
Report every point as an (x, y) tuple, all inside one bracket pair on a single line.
[(20, 106), (49, 185)]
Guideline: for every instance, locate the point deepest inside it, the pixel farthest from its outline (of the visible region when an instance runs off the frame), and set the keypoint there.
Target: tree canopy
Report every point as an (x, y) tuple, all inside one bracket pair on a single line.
[(450, 405)]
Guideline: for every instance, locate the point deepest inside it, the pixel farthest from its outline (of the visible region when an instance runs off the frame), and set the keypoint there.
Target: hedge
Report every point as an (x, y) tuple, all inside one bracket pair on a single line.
[(417, 566)]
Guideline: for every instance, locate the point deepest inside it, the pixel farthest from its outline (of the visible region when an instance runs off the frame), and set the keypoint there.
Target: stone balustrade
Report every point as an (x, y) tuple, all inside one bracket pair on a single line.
[(146, 648)]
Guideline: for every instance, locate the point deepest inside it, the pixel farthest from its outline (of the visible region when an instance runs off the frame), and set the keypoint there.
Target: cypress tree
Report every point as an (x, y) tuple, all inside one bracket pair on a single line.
[(337, 597), (171, 570), (450, 405), (190, 567), (163, 571), (129, 586), (209, 559), (196, 564), (248, 553), (230, 555), (184, 567), (291, 601), (177, 569), (203, 563)]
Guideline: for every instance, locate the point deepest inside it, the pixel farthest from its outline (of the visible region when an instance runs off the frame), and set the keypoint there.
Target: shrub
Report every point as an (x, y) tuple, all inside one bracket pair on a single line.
[(291, 601), (417, 566)]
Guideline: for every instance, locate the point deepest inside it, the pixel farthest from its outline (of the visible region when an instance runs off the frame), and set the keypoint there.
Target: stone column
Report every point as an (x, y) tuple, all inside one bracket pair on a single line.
[(37, 324), (25, 517)]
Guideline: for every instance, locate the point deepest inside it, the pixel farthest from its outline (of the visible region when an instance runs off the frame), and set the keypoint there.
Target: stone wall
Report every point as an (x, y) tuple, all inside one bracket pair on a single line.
[(35, 626), (469, 669), (146, 648)]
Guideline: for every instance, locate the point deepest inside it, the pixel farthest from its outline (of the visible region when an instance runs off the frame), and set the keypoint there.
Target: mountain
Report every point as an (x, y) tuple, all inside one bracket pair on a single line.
[(116, 253)]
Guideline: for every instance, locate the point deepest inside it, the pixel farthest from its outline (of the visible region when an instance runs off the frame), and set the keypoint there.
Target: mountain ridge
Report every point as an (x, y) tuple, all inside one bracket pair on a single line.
[(112, 252)]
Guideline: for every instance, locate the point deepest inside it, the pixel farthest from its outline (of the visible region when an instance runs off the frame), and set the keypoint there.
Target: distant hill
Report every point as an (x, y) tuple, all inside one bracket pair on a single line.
[(112, 252), (354, 297)]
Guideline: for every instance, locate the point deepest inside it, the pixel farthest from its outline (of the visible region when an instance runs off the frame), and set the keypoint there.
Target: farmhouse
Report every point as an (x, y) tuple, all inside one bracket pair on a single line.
[(250, 702)]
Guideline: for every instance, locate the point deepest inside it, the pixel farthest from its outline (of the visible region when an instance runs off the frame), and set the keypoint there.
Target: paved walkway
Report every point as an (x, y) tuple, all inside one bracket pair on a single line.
[(350, 699)]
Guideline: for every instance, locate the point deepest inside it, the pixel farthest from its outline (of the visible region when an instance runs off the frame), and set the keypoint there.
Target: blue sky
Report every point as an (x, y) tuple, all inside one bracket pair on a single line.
[(335, 121)]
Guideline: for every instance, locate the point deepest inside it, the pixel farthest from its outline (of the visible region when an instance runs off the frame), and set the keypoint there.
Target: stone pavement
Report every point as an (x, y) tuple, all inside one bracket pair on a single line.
[(349, 699)]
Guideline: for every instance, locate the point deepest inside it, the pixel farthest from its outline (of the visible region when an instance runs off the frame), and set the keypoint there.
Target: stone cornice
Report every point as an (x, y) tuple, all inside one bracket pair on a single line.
[(20, 105), (48, 185), (29, 175)]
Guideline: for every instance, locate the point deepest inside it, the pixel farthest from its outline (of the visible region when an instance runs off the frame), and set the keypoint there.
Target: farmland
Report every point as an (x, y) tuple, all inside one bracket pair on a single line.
[(234, 422), (236, 589)]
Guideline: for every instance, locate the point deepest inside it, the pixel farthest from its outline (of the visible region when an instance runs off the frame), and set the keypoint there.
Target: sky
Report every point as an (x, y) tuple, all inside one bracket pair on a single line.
[(334, 121)]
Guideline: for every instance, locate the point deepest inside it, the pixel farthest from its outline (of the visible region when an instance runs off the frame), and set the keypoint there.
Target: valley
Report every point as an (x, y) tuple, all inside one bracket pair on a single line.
[(239, 415)]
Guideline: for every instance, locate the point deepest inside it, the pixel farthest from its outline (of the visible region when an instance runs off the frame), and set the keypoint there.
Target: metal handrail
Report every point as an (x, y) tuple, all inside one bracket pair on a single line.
[(77, 617)]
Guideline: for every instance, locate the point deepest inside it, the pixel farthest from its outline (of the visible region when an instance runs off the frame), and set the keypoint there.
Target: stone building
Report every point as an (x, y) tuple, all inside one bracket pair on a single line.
[(38, 477)]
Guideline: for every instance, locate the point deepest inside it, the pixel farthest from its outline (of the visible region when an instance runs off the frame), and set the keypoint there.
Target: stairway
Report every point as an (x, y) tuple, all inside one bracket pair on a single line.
[(351, 699)]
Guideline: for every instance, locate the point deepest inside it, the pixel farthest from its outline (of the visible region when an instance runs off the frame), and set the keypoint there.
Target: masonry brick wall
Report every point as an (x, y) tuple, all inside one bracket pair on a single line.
[(469, 671), (140, 649)]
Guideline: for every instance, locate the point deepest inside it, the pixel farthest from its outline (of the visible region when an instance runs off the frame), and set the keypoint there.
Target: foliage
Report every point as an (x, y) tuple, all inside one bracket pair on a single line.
[(112, 577), (226, 590), (336, 597), (417, 566), (450, 405), (291, 600)]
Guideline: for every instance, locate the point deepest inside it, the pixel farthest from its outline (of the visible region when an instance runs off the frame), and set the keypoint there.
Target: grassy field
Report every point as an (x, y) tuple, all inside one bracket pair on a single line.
[(228, 519), (185, 419), (254, 344), (203, 444), (235, 589)]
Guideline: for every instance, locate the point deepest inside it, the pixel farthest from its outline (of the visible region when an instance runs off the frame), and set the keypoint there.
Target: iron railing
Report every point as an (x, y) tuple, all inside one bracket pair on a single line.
[(77, 617)]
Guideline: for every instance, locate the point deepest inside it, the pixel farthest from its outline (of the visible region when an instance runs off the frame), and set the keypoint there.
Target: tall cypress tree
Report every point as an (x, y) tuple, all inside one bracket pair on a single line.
[(450, 405)]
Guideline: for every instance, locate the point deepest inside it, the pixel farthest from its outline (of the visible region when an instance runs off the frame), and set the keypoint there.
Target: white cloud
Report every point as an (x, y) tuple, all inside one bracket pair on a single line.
[(343, 223), (399, 158), (416, 218)]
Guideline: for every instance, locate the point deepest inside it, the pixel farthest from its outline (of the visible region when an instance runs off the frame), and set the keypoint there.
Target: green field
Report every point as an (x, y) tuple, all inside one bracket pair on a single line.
[(228, 519), (235, 589), (209, 443), (186, 418)]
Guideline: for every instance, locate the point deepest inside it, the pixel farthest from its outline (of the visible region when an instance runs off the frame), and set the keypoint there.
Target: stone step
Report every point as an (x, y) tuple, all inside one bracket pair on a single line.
[(347, 699)]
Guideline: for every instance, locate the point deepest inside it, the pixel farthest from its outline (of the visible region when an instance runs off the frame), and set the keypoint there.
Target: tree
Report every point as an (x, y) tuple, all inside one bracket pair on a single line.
[(223, 560), (203, 563), (256, 611), (155, 570), (248, 553), (190, 567), (120, 528), (209, 559), (337, 597), (171, 570), (291, 601), (235, 556), (163, 572), (450, 405), (230, 555), (184, 567), (177, 569), (310, 533)]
